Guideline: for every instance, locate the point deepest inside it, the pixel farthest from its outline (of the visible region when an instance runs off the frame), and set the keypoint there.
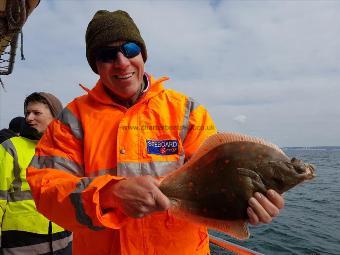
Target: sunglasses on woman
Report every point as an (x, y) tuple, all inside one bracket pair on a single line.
[(109, 53)]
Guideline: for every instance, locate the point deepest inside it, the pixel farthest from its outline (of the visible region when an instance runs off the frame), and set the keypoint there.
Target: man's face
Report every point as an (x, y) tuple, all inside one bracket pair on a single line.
[(38, 115), (123, 76)]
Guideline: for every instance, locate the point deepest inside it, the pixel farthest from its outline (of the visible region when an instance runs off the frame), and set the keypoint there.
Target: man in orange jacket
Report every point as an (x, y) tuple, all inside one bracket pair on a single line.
[(97, 168)]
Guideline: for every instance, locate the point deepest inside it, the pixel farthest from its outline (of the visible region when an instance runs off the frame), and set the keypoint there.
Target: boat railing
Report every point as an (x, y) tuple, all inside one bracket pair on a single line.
[(229, 246)]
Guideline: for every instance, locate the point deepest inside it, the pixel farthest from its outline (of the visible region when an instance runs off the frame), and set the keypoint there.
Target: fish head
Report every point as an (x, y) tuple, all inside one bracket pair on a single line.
[(304, 170), (287, 174)]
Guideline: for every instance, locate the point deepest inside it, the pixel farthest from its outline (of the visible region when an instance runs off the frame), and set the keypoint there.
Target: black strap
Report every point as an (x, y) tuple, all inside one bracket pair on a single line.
[(50, 236)]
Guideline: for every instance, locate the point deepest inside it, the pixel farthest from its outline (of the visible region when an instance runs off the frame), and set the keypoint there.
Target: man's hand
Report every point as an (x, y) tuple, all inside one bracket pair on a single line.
[(136, 196), (262, 209)]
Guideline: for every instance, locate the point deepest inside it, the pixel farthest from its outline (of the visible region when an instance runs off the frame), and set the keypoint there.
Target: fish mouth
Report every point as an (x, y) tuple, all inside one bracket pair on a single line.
[(304, 170), (310, 171)]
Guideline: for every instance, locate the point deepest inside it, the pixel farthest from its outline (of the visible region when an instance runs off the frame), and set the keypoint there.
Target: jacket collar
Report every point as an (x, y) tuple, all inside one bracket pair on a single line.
[(153, 88)]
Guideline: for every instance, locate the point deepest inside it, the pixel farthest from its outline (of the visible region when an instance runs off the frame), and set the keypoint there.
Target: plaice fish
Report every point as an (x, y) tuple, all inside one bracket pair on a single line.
[(214, 186)]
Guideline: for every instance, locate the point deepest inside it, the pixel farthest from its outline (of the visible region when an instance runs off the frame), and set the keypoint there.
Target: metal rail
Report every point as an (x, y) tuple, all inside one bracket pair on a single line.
[(229, 246)]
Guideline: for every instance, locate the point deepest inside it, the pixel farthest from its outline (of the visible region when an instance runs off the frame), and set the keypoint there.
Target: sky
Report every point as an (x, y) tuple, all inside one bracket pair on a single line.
[(264, 68)]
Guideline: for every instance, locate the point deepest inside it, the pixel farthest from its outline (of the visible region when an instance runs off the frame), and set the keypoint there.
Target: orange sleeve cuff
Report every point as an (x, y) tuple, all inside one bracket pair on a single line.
[(113, 218)]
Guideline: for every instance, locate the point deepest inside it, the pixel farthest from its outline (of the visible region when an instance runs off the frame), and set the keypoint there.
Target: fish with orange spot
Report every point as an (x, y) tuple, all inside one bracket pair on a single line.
[(223, 174)]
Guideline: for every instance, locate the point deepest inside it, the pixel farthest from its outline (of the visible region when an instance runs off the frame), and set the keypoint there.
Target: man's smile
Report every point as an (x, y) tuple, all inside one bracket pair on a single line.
[(124, 77)]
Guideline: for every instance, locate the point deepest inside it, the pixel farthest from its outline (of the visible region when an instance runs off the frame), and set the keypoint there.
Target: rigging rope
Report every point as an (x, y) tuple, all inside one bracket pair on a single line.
[(16, 15)]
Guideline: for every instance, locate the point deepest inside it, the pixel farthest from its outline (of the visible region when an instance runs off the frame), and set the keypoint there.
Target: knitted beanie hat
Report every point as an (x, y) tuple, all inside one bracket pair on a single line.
[(52, 101), (107, 27)]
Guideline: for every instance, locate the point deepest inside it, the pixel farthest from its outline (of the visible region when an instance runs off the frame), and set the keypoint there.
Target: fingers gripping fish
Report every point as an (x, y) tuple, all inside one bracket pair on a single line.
[(214, 186)]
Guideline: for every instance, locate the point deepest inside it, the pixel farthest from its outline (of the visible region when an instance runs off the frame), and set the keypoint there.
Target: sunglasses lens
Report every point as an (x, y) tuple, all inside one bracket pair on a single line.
[(130, 49), (107, 54)]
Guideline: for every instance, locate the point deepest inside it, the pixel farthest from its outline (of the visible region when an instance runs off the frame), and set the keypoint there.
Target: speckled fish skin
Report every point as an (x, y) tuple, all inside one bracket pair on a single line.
[(219, 184)]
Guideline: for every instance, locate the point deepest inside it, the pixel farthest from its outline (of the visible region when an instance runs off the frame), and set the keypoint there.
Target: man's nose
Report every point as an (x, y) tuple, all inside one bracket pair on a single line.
[(121, 61)]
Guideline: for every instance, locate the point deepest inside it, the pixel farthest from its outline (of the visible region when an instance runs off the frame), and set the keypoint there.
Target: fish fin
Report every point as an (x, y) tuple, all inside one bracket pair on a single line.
[(234, 228), (249, 173), (229, 137), (256, 179)]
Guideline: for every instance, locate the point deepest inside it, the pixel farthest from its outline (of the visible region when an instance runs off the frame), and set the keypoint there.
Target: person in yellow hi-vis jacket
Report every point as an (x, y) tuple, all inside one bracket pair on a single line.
[(23, 229)]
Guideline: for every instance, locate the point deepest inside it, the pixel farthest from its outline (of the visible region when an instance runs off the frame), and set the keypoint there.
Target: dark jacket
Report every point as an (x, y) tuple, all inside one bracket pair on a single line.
[(6, 134)]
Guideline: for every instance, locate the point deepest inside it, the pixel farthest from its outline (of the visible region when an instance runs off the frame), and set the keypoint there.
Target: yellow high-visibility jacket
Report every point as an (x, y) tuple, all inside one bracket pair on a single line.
[(96, 141), (23, 229)]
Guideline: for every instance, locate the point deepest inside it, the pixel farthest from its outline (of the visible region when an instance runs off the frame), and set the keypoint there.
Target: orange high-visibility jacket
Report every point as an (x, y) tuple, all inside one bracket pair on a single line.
[(96, 141)]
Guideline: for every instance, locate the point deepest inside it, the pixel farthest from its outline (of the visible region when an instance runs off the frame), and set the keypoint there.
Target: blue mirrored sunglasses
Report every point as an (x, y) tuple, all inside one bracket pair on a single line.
[(107, 54)]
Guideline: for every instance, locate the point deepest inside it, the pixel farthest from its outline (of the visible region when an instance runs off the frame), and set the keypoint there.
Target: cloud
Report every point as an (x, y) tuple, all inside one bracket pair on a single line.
[(240, 118), (276, 62)]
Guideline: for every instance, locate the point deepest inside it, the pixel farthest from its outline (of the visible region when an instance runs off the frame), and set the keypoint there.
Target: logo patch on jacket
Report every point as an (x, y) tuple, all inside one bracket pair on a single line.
[(162, 147)]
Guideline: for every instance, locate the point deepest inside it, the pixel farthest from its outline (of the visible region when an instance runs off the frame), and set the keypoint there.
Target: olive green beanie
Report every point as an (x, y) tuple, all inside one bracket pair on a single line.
[(107, 27)]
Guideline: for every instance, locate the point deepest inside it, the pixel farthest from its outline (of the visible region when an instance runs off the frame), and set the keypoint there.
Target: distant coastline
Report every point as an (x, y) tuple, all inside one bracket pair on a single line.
[(318, 148)]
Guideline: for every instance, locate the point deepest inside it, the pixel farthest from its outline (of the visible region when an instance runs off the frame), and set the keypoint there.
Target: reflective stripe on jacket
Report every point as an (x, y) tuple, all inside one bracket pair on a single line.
[(96, 141), (18, 215)]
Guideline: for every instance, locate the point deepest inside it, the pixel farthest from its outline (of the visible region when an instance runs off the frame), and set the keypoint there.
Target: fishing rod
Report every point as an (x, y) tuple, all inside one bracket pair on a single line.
[(240, 250)]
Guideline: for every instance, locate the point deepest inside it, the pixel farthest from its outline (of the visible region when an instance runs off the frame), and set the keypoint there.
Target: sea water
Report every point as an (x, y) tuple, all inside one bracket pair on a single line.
[(310, 222)]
